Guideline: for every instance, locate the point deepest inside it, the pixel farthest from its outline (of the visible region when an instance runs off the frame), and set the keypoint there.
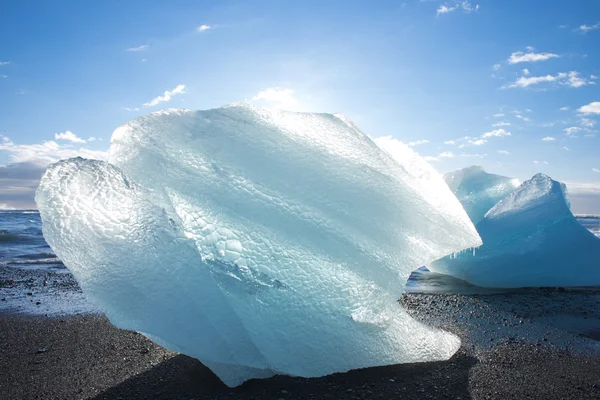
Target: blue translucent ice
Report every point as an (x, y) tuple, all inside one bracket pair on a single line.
[(530, 238), (478, 191), (260, 242)]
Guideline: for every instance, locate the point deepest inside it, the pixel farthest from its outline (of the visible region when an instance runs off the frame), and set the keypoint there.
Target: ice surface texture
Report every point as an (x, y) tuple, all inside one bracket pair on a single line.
[(478, 191), (530, 238), (260, 242)]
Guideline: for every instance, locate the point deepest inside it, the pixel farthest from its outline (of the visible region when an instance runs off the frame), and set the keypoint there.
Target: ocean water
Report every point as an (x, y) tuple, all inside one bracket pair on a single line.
[(22, 244), (34, 281)]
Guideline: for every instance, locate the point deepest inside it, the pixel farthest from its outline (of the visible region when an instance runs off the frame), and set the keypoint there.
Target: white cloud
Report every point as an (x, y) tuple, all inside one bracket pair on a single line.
[(572, 130), (535, 80), (565, 108), (69, 136), (525, 71), (464, 6), (2, 63), (467, 141), (446, 154), (165, 97), (566, 148), (592, 108), (587, 123), (576, 81), (501, 123), (503, 152), (522, 118), (477, 155), (496, 67), (519, 57), (138, 48), (536, 162), (548, 139), (496, 133), (3, 76), (93, 139), (499, 115), (478, 142), (203, 28), (45, 153), (571, 79), (280, 97), (596, 170), (418, 142), (586, 28)]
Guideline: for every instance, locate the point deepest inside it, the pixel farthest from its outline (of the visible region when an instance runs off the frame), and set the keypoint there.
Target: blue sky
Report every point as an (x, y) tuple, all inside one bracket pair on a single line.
[(467, 82)]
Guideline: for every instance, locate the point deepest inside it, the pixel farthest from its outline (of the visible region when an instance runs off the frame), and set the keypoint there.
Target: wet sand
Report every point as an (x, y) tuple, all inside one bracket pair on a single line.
[(515, 346)]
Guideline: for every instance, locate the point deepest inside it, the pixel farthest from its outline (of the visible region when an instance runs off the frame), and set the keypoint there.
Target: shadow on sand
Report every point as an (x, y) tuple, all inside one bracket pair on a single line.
[(182, 377)]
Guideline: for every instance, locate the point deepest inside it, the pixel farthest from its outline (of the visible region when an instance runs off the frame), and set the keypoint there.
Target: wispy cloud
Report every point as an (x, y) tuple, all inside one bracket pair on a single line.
[(531, 56), (596, 170), (496, 67), (204, 28), (279, 97), (496, 133), (68, 136), (45, 153), (566, 148), (2, 63), (522, 118), (165, 97), (501, 123), (571, 79), (418, 142), (592, 108), (464, 6), (565, 108), (446, 154), (138, 48), (524, 82), (499, 115), (572, 130), (506, 153), (586, 28), (587, 123), (467, 141), (549, 139)]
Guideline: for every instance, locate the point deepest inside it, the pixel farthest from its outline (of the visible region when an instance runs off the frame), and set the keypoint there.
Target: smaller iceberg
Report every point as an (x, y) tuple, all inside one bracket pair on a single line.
[(530, 238), (478, 191)]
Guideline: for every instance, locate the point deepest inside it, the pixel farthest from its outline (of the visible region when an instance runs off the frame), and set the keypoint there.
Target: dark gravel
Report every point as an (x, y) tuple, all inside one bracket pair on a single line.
[(504, 356)]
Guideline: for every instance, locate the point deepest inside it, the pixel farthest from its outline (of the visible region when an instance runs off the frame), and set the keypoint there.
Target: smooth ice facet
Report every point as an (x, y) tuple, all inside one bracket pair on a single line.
[(260, 242), (478, 191), (530, 239)]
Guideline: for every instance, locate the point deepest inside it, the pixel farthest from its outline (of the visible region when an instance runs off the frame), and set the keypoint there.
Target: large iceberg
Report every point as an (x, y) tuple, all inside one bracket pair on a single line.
[(478, 190), (530, 238), (261, 242)]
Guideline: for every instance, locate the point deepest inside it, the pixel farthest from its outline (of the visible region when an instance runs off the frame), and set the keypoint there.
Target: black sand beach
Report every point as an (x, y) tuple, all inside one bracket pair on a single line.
[(513, 348)]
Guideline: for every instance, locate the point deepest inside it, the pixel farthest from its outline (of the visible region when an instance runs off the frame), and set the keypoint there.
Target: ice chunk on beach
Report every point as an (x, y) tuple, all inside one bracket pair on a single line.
[(261, 242), (530, 238), (478, 191)]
